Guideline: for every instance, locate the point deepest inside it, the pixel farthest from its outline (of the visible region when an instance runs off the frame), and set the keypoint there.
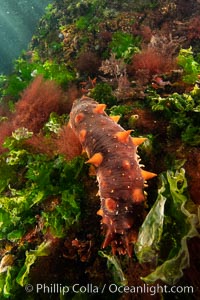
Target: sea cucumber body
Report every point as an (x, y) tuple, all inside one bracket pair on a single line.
[(117, 168)]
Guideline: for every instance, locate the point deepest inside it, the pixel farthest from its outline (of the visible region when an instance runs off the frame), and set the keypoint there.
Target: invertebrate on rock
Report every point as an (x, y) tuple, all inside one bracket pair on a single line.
[(113, 152)]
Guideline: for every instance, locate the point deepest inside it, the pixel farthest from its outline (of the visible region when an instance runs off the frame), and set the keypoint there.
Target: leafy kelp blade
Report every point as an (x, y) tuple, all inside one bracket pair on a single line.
[(115, 267), (179, 215), (150, 234), (31, 256)]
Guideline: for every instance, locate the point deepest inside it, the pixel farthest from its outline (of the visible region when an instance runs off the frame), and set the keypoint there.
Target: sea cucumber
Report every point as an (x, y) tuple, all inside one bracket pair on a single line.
[(113, 152)]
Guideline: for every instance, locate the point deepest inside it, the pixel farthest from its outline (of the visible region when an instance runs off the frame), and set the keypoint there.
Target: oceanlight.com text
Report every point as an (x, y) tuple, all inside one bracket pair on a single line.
[(57, 288)]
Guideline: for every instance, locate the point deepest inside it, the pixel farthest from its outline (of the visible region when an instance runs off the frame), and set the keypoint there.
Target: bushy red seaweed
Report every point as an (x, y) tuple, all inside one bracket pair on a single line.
[(152, 62), (36, 103), (41, 144), (32, 111), (67, 143)]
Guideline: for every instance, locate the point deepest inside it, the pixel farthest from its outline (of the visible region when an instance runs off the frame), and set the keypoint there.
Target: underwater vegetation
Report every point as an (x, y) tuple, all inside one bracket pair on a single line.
[(140, 59)]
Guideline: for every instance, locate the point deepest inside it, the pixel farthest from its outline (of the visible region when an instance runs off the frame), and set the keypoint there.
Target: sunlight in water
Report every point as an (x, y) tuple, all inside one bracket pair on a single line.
[(18, 20)]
